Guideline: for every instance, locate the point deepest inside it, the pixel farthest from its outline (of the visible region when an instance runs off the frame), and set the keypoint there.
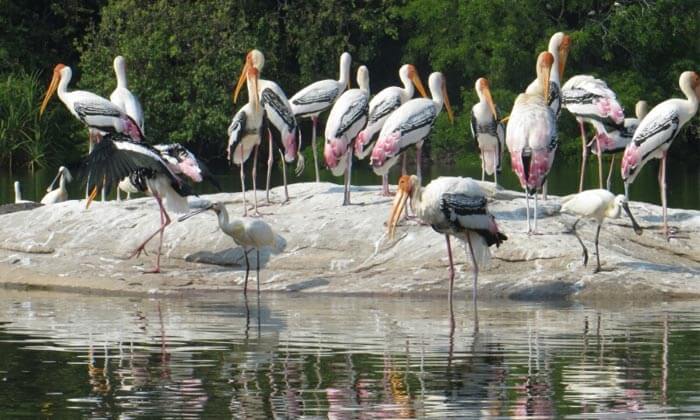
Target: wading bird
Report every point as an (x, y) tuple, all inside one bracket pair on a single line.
[(656, 132), (614, 139), (410, 125), (590, 99), (18, 195), (245, 134), (60, 194), (116, 156), (596, 204), (248, 233), (452, 206), (347, 117), (279, 112), (96, 112), (488, 131), (381, 106), (122, 96), (531, 136), (559, 45), (318, 97)]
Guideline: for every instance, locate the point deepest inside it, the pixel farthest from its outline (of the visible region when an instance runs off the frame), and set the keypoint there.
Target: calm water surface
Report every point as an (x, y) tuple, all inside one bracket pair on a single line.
[(288, 356), (682, 179)]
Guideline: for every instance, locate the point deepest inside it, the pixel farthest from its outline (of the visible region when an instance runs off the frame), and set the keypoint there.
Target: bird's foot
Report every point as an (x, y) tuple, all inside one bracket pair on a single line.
[(597, 270), (585, 258), (154, 270), (671, 232), (385, 194), (137, 252)]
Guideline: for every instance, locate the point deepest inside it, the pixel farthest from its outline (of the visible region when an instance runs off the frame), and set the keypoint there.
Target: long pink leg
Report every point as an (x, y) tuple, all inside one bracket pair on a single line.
[(475, 270), (662, 184), (608, 183), (600, 163), (245, 202), (452, 271), (385, 185), (419, 148), (255, 185), (164, 222), (314, 123), (584, 154), (269, 165), (284, 177), (403, 164)]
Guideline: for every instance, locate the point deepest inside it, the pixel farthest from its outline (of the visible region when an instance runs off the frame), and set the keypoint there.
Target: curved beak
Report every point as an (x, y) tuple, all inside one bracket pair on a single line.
[(397, 208), (91, 197), (545, 81), (188, 215), (635, 226), (241, 80), (450, 115), (50, 91), (563, 55), (415, 78), (50, 187), (489, 100)]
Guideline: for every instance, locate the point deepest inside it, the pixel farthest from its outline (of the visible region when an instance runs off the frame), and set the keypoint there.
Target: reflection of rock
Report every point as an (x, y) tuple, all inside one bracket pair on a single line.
[(324, 247)]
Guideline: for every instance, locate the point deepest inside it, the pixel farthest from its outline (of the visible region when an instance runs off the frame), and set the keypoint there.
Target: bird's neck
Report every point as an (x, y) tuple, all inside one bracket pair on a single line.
[(121, 76), (62, 182), (613, 211), (344, 74), (692, 96), (417, 202), (62, 89), (18, 193), (408, 87)]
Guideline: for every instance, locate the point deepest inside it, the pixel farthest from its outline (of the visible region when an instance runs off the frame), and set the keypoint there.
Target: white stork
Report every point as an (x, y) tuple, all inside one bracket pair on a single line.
[(656, 132), (116, 156), (596, 204), (96, 112), (589, 99), (410, 125), (559, 45), (348, 116), (278, 111), (488, 131), (245, 134), (531, 136), (318, 97), (452, 206), (381, 106), (247, 233), (60, 194), (614, 139)]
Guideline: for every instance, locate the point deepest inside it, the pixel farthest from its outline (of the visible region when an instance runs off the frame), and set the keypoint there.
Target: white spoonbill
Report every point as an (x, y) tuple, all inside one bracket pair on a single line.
[(531, 136), (246, 232), (278, 111), (59, 194), (488, 131), (614, 139), (319, 96), (381, 106), (596, 204), (348, 116), (452, 206), (590, 99), (656, 132), (410, 125)]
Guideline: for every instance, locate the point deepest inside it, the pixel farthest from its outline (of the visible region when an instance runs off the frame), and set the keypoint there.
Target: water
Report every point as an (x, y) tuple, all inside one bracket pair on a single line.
[(72, 356), (682, 179)]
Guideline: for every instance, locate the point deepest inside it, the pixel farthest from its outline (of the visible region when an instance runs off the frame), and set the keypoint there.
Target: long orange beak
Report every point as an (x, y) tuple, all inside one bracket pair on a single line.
[(241, 80), (91, 197), (450, 115), (397, 208), (50, 91), (545, 82), (489, 100), (563, 55), (415, 78)]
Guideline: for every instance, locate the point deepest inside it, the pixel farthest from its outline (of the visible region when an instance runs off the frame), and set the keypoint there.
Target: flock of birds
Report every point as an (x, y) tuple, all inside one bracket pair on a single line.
[(383, 127)]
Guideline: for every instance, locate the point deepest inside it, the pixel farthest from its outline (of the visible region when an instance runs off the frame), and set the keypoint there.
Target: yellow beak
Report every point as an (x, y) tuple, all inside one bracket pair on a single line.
[(50, 91), (563, 55), (241, 80), (396, 209), (91, 197), (450, 115), (415, 78), (489, 100), (545, 82)]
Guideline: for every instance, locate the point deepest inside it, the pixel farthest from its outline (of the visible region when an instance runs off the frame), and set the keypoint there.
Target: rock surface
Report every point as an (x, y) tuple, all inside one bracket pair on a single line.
[(325, 247)]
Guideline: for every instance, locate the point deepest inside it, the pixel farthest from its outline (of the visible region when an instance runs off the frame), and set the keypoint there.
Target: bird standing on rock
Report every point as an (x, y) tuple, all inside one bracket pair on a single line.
[(60, 194), (247, 232)]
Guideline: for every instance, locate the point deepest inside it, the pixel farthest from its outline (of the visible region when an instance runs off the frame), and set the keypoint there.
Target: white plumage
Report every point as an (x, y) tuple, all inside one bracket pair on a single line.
[(487, 130), (559, 45), (18, 194), (60, 194), (122, 96)]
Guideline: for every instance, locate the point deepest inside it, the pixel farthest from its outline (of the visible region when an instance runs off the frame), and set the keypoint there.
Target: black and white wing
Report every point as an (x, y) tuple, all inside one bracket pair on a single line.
[(385, 107), (464, 212)]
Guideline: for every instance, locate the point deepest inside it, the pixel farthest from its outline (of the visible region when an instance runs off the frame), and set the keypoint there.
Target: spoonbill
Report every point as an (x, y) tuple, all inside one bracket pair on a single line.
[(656, 132), (410, 125), (60, 194), (531, 136), (488, 131), (452, 206), (596, 204), (318, 97), (246, 232), (348, 116), (381, 106)]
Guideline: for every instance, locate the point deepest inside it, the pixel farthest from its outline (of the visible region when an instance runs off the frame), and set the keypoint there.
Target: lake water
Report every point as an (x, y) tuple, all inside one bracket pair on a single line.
[(286, 356), (682, 179)]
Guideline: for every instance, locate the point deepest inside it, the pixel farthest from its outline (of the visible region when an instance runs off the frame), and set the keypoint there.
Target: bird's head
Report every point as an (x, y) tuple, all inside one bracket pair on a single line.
[(412, 74), (437, 83), (407, 189), (216, 207), (641, 109), (562, 44), (61, 70), (622, 202), (484, 91), (62, 172), (254, 59)]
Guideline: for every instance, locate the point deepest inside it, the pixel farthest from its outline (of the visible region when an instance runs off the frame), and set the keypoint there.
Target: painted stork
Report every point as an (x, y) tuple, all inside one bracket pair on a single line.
[(60, 194), (452, 206), (596, 204), (488, 131), (589, 99), (655, 134), (247, 232), (278, 111), (531, 136), (614, 139), (347, 117), (96, 112), (410, 125), (117, 156), (122, 96), (317, 98), (245, 134), (559, 45), (381, 106)]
